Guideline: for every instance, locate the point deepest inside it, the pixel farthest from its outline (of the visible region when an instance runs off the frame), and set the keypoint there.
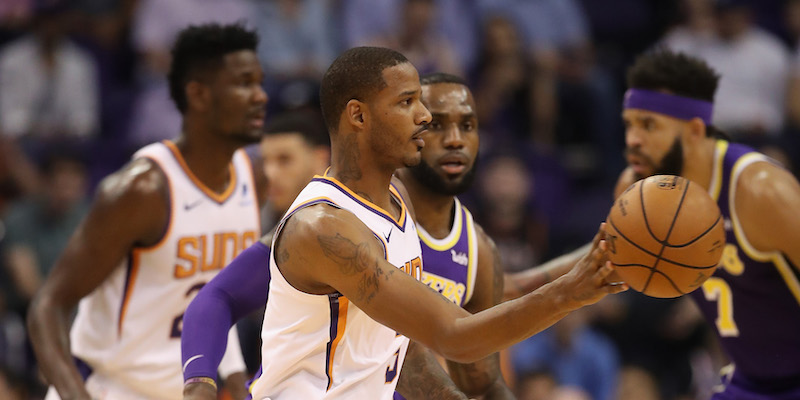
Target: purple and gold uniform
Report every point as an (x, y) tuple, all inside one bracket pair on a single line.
[(753, 298), (451, 263)]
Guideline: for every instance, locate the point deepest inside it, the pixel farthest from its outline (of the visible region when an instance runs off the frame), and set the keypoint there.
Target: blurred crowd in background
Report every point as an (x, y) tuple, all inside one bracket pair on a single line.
[(82, 86)]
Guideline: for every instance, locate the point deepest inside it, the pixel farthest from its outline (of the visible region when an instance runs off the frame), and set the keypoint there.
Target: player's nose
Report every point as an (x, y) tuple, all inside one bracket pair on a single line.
[(260, 95), (632, 137), (423, 116), (453, 137)]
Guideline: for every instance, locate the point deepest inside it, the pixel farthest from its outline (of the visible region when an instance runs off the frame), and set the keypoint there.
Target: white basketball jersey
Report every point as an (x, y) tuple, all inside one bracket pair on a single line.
[(128, 329), (323, 346)]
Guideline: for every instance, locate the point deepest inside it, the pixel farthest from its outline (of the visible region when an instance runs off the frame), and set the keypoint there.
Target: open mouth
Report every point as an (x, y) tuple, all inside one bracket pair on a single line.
[(453, 164), (256, 119), (637, 164)]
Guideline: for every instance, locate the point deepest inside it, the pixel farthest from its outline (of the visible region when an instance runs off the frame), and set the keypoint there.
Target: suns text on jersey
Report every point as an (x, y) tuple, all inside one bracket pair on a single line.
[(209, 252)]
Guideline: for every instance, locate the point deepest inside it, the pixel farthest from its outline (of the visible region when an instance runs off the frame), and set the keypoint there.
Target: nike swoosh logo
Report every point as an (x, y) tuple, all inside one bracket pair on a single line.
[(189, 206), (190, 360), (388, 236)]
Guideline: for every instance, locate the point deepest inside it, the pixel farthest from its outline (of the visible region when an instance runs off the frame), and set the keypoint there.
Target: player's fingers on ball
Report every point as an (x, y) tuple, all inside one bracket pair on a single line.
[(617, 287), (605, 270)]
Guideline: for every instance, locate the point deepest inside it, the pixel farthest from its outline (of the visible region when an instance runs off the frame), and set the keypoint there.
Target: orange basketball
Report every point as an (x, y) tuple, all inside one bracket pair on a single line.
[(665, 236)]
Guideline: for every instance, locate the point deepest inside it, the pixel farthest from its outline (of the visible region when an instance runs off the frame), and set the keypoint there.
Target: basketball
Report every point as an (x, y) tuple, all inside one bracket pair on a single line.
[(665, 236)]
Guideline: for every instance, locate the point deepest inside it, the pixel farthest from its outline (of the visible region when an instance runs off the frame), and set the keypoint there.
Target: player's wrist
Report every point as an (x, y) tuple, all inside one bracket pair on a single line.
[(560, 293), (200, 387)]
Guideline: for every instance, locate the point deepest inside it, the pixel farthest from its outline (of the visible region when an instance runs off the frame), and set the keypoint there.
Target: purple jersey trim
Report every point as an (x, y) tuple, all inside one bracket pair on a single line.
[(369, 207)]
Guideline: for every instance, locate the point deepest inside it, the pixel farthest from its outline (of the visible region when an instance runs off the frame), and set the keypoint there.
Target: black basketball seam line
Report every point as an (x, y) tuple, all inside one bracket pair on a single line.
[(648, 252), (632, 265), (677, 289), (676, 246), (669, 231)]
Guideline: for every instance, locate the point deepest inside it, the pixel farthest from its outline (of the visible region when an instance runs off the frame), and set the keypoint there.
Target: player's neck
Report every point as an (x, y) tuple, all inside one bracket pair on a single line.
[(699, 163), (371, 184), (434, 211), (207, 159)]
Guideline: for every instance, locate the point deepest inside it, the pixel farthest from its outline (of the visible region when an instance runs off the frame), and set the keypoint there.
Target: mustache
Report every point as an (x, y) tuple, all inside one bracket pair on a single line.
[(636, 151), (422, 128)]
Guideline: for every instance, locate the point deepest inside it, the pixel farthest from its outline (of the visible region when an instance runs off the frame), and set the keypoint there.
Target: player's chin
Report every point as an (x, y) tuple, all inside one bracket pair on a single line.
[(412, 160), (248, 136)]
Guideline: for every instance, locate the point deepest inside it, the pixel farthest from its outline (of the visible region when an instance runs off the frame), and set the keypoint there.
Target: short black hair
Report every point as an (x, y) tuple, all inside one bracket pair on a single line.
[(678, 73), (201, 48), (683, 75), (307, 124), (441, 77), (355, 74)]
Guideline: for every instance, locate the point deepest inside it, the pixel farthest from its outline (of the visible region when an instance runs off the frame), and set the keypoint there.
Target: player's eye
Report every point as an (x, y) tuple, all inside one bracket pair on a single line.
[(435, 125)]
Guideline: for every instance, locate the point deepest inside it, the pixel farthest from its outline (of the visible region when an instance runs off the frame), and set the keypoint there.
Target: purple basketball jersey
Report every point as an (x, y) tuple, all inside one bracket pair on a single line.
[(753, 298), (450, 263)]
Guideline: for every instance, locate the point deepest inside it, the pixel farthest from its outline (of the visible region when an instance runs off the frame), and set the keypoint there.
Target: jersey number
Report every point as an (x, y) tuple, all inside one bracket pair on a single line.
[(716, 289), (177, 323)]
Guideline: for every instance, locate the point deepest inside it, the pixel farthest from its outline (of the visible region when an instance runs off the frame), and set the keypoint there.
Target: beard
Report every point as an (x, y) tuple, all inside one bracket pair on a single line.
[(426, 175), (246, 137), (671, 163)]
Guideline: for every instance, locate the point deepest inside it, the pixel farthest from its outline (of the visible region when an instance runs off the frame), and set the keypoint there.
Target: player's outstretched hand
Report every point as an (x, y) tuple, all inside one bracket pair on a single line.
[(586, 282)]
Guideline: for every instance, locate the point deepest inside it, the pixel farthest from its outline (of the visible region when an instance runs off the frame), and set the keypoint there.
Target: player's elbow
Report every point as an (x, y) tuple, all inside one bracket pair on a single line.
[(39, 307), (44, 307)]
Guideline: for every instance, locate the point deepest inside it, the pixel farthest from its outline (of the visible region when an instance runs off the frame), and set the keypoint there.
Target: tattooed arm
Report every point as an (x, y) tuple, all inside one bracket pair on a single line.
[(323, 249), (423, 378), (483, 377)]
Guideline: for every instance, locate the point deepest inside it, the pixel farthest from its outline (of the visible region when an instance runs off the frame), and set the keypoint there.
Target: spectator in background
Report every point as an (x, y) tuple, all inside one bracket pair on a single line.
[(577, 355), (556, 34), (456, 21), (753, 63), (416, 38), (792, 136), (155, 25), (38, 226), (13, 15), (511, 101), (49, 84), (299, 41), (298, 37), (505, 199)]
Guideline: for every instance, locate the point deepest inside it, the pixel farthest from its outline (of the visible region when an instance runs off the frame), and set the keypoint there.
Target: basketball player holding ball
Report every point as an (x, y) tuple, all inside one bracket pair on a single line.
[(753, 298)]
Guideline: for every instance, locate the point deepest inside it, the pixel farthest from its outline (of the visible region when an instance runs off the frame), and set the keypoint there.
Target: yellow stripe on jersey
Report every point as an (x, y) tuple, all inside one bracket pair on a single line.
[(716, 178), (431, 242), (472, 265), (777, 259)]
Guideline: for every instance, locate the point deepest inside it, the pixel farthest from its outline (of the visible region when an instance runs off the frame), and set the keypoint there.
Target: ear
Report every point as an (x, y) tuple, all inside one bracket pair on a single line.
[(696, 129), (355, 113), (198, 96)]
